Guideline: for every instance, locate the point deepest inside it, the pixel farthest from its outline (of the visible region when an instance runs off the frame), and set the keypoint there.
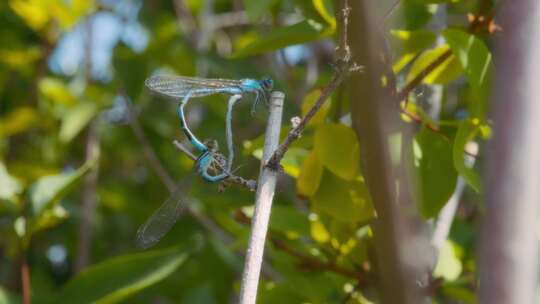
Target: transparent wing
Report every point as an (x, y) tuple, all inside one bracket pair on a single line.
[(161, 221), (179, 86)]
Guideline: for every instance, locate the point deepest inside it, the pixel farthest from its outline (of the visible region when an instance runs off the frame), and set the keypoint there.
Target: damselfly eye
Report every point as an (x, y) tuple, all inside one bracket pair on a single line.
[(267, 83)]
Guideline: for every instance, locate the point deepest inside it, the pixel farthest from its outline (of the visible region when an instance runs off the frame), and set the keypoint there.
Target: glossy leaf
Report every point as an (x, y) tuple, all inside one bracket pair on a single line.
[(121, 277), (310, 175), (476, 60), (435, 169), (466, 132), (319, 233), (449, 266), (410, 43), (302, 32), (446, 72), (338, 150)]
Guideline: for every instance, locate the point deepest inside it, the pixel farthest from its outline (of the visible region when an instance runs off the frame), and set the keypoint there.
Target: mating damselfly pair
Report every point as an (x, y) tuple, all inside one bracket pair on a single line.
[(181, 89)]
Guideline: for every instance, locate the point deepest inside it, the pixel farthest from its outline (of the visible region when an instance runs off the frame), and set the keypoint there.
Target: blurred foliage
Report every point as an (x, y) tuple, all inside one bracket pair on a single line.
[(70, 70)]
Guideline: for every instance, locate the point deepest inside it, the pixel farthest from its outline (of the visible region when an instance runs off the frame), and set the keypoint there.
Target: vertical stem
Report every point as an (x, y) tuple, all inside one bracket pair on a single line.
[(509, 244), (25, 280), (402, 249), (263, 205), (90, 181), (89, 201)]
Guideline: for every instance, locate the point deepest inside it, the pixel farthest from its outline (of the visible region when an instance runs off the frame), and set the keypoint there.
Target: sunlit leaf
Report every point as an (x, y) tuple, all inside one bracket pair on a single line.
[(56, 91), (436, 172), (337, 148), (19, 120), (319, 233), (448, 71), (410, 43), (310, 176), (291, 162), (38, 13), (75, 120), (9, 185), (466, 132), (346, 201), (34, 13), (449, 265), (325, 9), (308, 103), (121, 277), (304, 31), (46, 192), (476, 60)]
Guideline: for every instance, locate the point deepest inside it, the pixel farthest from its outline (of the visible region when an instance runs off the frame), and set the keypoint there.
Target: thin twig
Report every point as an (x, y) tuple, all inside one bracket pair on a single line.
[(296, 132), (263, 205), (25, 280), (391, 10), (420, 77), (475, 24), (343, 67), (148, 152), (305, 260), (89, 197)]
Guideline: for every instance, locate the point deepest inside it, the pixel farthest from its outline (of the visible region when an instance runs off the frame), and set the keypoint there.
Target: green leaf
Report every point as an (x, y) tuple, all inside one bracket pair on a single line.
[(337, 148), (466, 132), (310, 175), (449, 265), (345, 201), (409, 44), (121, 277), (415, 14), (289, 220), (309, 101), (51, 217), (75, 120), (302, 32), (291, 161), (56, 91), (256, 8), (318, 231), (325, 9), (48, 190), (448, 71), (476, 60), (436, 172)]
